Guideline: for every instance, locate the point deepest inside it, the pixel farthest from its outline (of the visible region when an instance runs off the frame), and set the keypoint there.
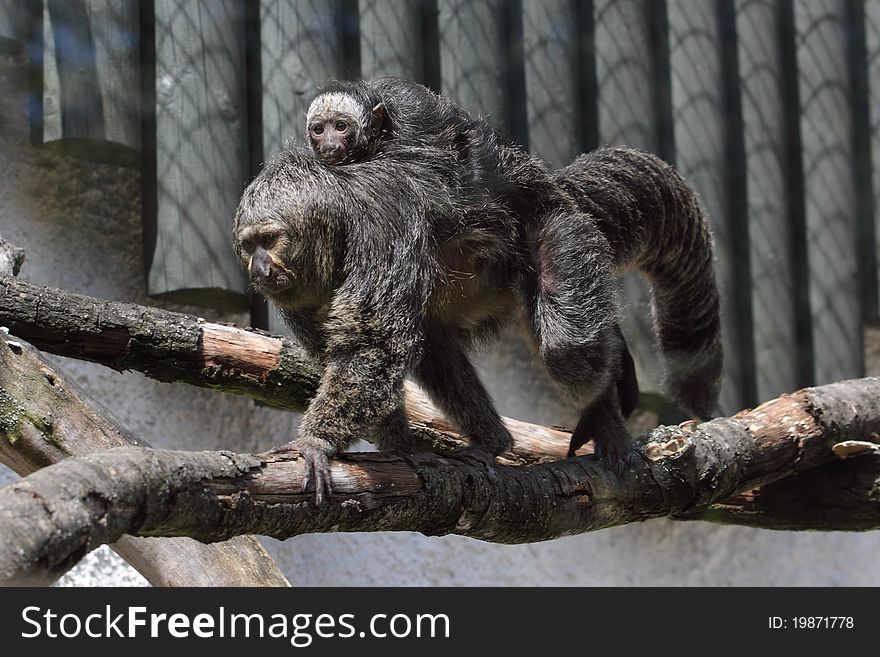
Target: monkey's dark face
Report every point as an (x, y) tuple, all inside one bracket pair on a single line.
[(264, 249), (333, 136)]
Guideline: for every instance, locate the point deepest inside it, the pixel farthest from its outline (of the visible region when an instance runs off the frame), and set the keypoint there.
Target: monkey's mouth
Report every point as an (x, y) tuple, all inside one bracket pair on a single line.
[(333, 158), (272, 285)]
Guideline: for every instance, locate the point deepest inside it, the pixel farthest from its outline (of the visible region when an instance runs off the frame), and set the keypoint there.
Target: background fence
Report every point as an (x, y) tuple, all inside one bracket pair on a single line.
[(771, 108)]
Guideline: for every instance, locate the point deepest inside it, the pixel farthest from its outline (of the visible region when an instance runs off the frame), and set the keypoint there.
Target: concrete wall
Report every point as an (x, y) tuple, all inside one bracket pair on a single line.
[(79, 223)]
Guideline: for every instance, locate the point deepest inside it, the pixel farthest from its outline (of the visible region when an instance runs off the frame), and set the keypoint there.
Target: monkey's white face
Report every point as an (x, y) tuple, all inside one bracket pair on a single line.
[(334, 126)]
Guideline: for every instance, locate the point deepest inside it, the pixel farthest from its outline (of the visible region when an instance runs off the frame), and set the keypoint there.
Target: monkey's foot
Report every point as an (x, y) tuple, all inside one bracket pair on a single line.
[(317, 468), (285, 448), (618, 456), (483, 456), (614, 453)]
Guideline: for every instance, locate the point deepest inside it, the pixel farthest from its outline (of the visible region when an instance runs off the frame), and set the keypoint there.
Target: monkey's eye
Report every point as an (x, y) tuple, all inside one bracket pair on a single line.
[(341, 126), (247, 245), (269, 240), (317, 129)]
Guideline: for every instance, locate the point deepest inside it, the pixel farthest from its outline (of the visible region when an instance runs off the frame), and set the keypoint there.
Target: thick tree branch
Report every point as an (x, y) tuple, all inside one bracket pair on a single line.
[(836, 496), (54, 515), (44, 418), (175, 347)]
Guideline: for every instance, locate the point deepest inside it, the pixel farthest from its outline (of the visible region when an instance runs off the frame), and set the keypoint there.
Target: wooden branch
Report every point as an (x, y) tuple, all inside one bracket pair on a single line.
[(52, 517), (836, 496), (60, 423), (175, 347)]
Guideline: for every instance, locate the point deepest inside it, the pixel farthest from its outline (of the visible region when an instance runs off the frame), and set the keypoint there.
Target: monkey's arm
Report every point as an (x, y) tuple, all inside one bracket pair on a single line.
[(373, 334)]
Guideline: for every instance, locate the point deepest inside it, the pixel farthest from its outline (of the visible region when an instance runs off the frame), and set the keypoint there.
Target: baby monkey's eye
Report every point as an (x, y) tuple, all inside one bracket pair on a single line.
[(317, 129), (341, 126)]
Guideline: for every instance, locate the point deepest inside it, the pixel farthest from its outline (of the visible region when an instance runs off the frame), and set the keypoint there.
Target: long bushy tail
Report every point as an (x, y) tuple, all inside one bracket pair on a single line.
[(655, 225)]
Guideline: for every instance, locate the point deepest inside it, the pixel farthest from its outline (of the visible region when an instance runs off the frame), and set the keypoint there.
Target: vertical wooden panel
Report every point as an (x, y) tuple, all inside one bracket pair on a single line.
[(771, 237), (201, 152), (860, 21), (391, 38), (625, 73), (700, 111), (830, 192), (13, 26), (49, 128), (301, 48), (872, 47), (550, 56), (473, 52), (91, 100), (627, 104)]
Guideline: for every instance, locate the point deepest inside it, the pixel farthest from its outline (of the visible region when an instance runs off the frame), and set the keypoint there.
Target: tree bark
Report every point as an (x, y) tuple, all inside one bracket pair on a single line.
[(54, 516), (45, 418), (837, 496)]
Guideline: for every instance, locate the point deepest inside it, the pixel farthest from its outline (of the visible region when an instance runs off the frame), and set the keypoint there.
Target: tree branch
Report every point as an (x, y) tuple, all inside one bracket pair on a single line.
[(45, 419), (53, 516), (836, 496)]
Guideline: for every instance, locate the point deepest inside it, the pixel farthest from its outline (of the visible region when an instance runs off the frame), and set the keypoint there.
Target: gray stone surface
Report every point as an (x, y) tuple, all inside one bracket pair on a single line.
[(80, 226)]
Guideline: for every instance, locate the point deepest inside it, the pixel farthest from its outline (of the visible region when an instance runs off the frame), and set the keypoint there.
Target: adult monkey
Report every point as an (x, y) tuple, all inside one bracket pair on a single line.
[(397, 263)]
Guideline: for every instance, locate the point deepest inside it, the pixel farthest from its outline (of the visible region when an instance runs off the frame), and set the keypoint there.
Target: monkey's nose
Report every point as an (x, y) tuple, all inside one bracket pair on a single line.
[(262, 267), (332, 152)]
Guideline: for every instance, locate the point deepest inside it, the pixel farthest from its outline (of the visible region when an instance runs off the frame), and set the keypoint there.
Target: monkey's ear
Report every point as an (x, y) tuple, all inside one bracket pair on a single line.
[(378, 117)]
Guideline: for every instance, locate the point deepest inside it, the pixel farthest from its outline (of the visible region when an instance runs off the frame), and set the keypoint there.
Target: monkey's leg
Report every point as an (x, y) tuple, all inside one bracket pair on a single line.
[(449, 378), (602, 420), (578, 368), (574, 324), (627, 383), (393, 433)]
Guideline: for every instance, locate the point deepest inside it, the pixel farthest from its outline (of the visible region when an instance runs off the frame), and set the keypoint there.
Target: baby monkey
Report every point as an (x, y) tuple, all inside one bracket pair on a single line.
[(339, 130), (354, 120)]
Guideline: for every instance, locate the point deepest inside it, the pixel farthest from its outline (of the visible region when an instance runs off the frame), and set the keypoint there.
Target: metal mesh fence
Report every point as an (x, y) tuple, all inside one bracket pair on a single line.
[(827, 140), (553, 104), (700, 123), (872, 70), (473, 58), (627, 115), (391, 38), (772, 237)]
